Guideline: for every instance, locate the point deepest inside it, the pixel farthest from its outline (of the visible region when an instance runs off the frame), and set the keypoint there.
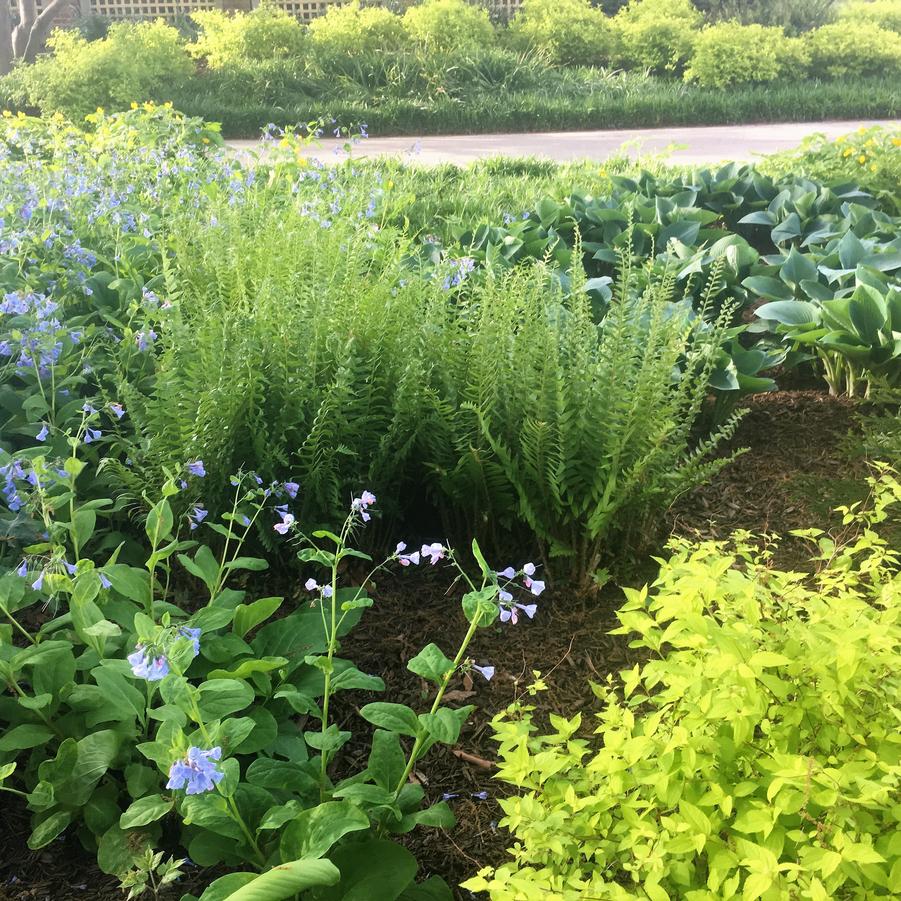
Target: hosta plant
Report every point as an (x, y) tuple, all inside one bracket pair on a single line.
[(857, 338)]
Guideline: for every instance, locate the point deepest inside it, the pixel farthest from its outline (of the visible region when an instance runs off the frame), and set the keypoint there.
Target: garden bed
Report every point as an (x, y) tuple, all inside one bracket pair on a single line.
[(796, 440)]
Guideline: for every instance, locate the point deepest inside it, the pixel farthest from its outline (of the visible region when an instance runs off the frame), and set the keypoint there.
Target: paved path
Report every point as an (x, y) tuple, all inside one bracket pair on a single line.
[(708, 144)]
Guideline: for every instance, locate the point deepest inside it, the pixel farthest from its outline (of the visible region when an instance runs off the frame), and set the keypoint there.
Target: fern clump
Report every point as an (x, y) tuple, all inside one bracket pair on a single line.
[(581, 431), (306, 342)]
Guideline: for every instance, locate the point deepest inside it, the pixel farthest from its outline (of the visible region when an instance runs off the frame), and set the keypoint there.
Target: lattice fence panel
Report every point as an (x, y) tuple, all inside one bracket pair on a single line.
[(167, 9), (305, 10)]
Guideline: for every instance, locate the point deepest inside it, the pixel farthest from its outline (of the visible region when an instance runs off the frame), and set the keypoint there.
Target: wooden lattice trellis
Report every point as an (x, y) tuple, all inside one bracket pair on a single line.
[(167, 9), (305, 10)]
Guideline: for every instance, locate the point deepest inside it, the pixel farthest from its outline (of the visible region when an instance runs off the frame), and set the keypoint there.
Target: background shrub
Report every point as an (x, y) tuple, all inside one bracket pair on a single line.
[(755, 755), (264, 35), (367, 46), (794, 15), (657, 34), (730, 53), (349, 30), (884, 13), (449, 25), (568, 32), (853, 49), (134, 62)]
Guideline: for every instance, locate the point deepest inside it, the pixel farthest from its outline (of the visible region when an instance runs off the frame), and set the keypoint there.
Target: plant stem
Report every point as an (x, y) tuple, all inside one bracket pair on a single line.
[(441, 690), (16, 623)]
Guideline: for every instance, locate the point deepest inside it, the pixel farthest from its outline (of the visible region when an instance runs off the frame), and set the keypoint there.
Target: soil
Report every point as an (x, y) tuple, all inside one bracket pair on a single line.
[(796, 469)]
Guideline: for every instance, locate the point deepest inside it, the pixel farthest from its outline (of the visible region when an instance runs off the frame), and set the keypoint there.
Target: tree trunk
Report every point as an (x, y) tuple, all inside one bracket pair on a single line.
[(6, 38), (28, 13), (41, 28)]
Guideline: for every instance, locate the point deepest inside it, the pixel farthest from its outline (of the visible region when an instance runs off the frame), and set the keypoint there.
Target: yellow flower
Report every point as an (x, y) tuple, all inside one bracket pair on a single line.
[(848, 152), (861, 130), (389, 184), (134, 104), (840, 139), (862, 159), (7, 114), (896, 142), (874, 168), (869, 143)]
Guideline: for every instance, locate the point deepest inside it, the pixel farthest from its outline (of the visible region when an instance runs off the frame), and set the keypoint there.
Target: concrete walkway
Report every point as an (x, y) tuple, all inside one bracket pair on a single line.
[(708, 144)]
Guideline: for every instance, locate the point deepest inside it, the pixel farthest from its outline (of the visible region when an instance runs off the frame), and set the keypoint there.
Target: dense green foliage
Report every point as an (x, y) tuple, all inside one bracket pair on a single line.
[(754, 755), (203, 360), (796, 16), (853, 49), (442, 65), (526, 97), (884, 13), (832, 282)]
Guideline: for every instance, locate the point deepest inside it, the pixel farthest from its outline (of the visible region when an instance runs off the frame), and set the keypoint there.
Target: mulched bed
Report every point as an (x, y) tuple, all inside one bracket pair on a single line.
[(798, 449)]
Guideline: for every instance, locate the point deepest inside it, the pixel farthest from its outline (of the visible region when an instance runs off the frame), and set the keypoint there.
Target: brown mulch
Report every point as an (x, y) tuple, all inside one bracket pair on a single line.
[(797, 442), (797, 468)]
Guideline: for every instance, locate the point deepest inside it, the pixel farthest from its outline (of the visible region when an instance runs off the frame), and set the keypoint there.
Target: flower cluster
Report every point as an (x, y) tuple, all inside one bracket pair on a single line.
[(196, 772), (38, 339), (150, 661), (362, 504), (510, 608), (459, 270)]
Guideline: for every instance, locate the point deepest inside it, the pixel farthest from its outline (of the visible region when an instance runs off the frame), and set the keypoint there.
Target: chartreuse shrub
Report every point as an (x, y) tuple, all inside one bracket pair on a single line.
[(884, 13), (754, 753), (657, 34), (349, 29), (568, 32), (266, 34), (449, 25), (852, 49), (729, 53), (134, 62)]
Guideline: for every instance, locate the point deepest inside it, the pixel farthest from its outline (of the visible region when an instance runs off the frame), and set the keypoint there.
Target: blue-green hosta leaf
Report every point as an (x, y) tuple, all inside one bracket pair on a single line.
[(790, 312), (768, 287), (850, 250), (787, 230), (869, 313), (797, 267)]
